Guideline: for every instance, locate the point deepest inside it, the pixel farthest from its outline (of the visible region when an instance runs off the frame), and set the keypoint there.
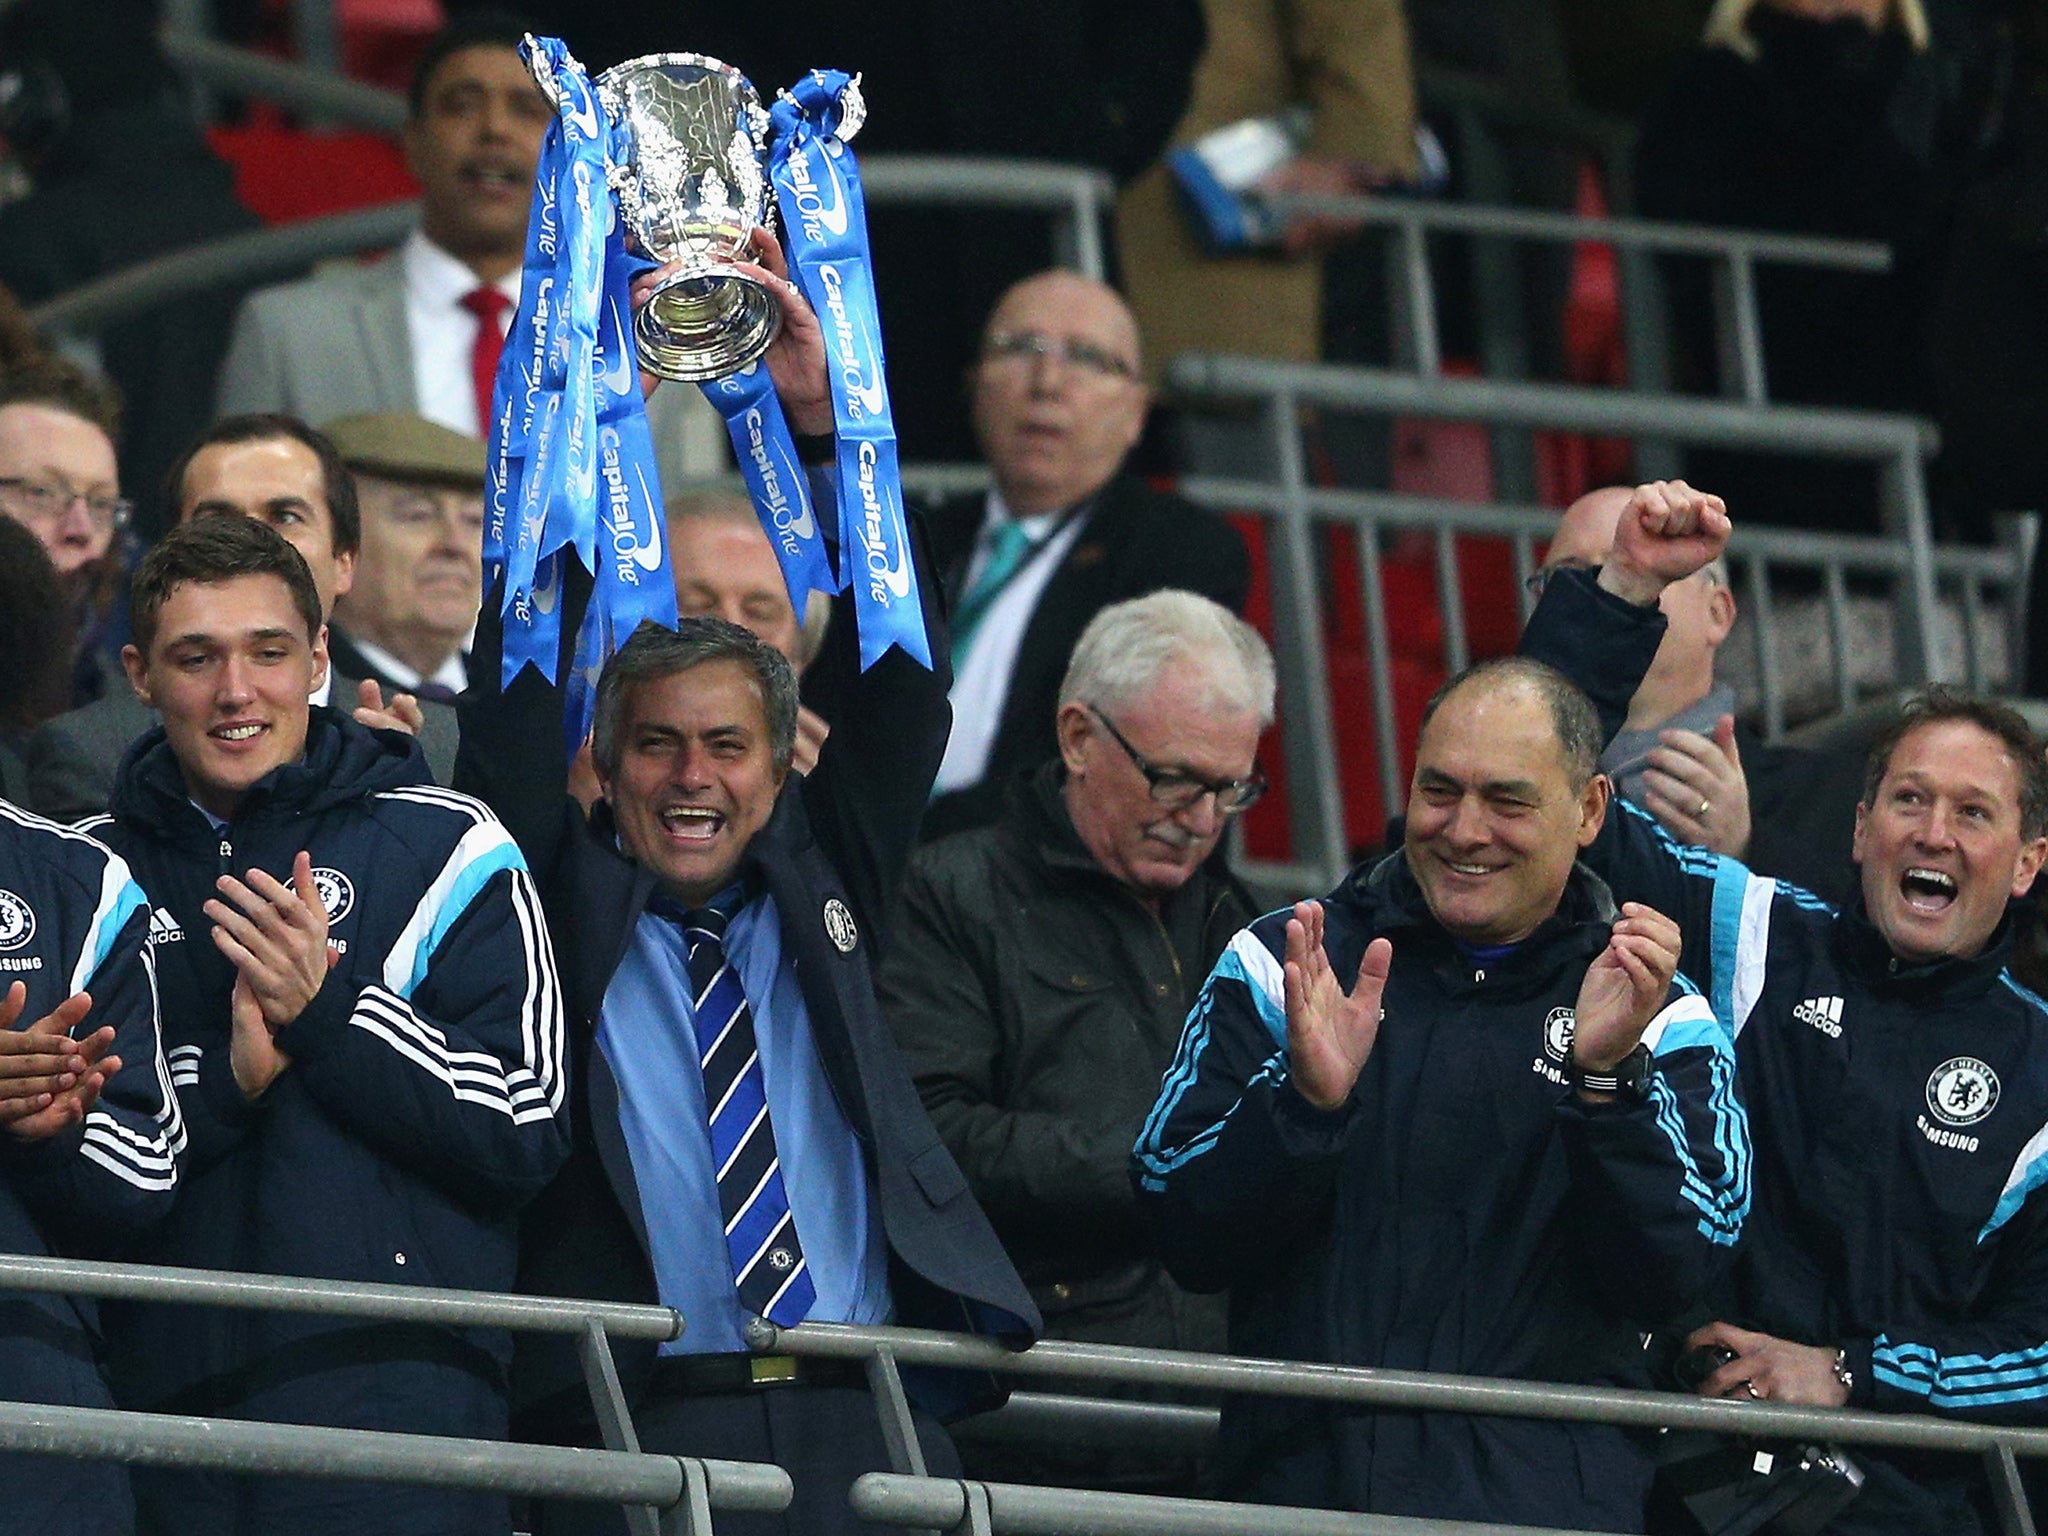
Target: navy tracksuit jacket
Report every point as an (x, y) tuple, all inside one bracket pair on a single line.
[(423, 1107), (72, 919), (1900, 1114), (1462, 1212)]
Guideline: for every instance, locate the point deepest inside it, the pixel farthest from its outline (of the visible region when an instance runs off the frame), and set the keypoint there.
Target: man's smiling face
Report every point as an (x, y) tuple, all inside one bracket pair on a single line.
[(1940, 842), (1494, 820), (695, 777), (228, 667)]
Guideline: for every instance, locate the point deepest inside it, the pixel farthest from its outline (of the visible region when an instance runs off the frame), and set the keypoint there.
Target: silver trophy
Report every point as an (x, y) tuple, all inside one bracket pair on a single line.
[(689, 182)]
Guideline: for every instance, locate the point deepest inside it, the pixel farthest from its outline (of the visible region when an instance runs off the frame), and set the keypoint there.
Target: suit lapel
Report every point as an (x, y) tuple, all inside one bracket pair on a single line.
[(1072, 595), (953, 528)]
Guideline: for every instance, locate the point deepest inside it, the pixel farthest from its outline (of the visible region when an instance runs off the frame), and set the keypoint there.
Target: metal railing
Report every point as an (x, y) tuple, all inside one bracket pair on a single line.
[(688, 1490), (1736, 254), (1072, 195), (1906, 556), (908, 1496), (661, 1495)]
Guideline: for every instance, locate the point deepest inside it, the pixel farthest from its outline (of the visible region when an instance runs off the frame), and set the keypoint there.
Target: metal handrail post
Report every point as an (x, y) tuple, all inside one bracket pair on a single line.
[(1646, 338), (2008, 1492), (614, 1416), (1083, 244), (1837, 597), (1315, 797), (1413, 298), (1769, 687), (1902, 501), (1738, 334), (1379, 662), (1450, 602)]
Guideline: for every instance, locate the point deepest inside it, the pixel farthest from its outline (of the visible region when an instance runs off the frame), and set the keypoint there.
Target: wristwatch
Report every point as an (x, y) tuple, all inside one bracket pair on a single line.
[(1629, 1080), (1843, 1374)]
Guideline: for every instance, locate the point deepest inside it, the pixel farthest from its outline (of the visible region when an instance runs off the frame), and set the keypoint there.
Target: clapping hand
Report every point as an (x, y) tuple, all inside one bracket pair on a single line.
[(47, 1079), (1625, 986), (1329, 1032)]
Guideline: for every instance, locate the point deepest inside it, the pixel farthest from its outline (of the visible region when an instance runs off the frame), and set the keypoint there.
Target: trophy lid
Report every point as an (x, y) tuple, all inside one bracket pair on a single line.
[(614, 83)]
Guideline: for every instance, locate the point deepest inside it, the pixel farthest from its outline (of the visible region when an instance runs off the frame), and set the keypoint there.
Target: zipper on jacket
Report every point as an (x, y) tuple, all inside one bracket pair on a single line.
[(1165, 938)]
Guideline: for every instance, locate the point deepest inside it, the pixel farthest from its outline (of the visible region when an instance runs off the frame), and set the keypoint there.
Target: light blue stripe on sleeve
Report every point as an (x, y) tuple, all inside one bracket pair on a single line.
[(1731, 884), (120, 897), (472, 878)]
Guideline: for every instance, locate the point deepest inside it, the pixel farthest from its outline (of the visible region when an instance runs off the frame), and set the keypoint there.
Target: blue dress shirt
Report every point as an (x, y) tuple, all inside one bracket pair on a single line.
[(645, 1031)]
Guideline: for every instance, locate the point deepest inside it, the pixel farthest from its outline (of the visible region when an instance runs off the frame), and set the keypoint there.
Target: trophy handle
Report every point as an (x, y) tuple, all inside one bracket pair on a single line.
[(705, 322)]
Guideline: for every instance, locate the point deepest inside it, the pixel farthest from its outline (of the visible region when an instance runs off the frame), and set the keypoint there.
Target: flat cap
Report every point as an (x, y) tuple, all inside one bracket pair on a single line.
[(396, 445)]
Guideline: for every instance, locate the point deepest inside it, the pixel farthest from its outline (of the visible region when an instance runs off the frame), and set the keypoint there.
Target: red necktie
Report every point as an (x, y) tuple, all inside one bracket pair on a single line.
[(487, 304)]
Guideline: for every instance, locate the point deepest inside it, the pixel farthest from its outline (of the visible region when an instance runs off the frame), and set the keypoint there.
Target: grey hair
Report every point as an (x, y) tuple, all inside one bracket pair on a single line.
[(654, 652), (715, 504), (1572, 715), (1127, 646)]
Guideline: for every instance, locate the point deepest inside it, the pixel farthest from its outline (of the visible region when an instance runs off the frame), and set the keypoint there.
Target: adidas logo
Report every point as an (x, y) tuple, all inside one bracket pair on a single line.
[(163, 928), (1823, 1013)]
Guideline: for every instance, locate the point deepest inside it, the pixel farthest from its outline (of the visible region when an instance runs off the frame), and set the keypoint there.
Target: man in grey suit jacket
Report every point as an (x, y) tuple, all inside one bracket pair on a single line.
[(419, 330), (277, 469)]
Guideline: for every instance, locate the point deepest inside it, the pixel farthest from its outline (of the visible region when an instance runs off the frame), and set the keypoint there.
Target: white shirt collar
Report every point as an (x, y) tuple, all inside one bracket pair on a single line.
[(450, 674), (998, 513), (436, 277)]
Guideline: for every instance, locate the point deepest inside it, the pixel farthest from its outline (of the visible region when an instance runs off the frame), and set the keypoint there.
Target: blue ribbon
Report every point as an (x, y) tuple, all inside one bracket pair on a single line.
[(571, 466), (817, 186), (766, 453)]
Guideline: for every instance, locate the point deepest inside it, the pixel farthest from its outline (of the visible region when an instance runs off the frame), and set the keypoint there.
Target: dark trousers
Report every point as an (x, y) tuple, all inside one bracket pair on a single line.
[(825, 1437)]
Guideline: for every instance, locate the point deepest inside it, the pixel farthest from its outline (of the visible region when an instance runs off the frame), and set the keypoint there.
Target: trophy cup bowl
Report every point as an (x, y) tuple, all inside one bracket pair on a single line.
[(689, 183)]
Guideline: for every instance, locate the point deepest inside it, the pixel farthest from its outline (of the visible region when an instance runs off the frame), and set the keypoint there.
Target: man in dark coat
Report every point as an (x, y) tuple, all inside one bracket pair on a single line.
[(1058, 403), (714, 920), (1682, 756), (1043, 965)]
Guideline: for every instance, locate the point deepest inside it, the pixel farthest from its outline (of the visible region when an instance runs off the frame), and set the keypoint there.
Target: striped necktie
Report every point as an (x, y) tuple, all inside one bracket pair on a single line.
[(768, 1265)]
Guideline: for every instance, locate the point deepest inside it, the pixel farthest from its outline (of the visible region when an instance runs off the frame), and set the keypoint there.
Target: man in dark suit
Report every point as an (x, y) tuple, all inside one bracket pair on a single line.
[(407, 616), (283, 472), (748, 1144), (1059, 401)]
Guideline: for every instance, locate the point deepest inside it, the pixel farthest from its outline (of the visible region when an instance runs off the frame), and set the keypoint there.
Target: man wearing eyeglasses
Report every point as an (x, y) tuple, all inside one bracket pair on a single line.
[(59, 479), (1681, 755), (1043, 965), (1059, 402)]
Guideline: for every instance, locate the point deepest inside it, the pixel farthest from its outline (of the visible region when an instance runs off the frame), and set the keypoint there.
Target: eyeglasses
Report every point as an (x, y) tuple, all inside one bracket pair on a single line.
[(44, 501), (1179, 790), (1022, 346), (1538, 579)]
